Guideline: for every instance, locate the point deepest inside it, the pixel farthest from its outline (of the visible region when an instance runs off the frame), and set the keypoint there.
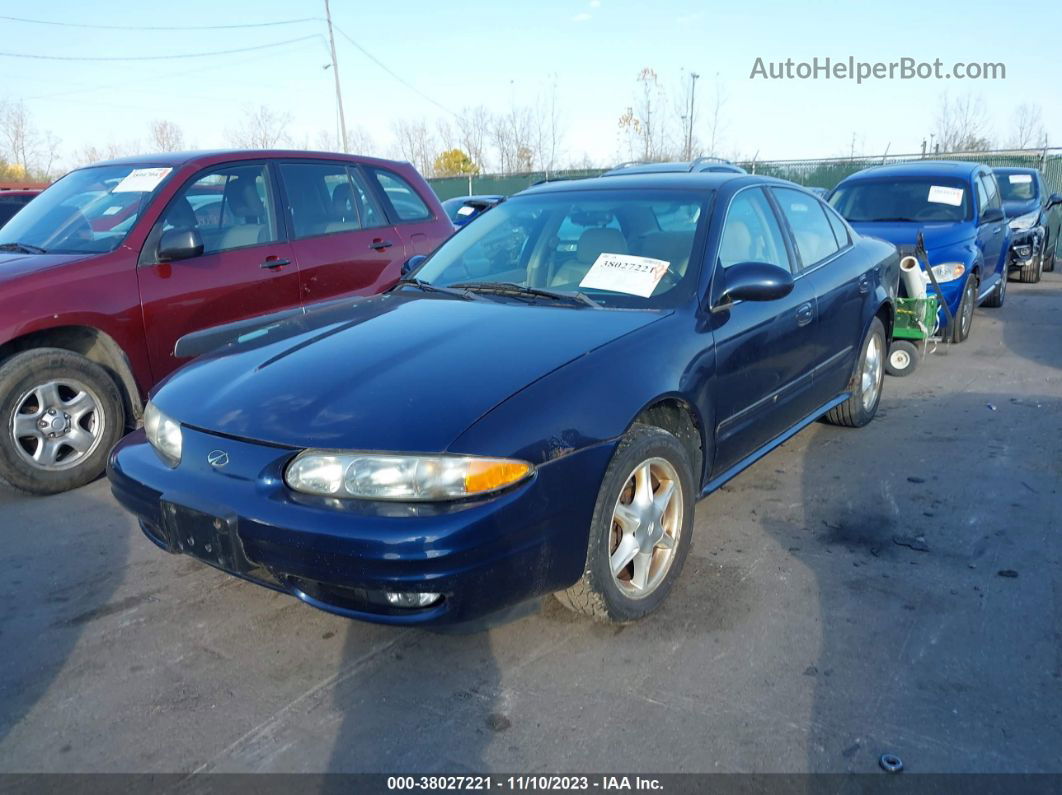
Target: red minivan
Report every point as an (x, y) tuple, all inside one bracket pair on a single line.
[(108, 267)]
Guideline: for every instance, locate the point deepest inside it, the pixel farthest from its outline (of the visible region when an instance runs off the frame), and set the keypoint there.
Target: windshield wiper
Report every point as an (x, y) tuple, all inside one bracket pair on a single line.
[(511, 288), (25, 248), (428, 287)]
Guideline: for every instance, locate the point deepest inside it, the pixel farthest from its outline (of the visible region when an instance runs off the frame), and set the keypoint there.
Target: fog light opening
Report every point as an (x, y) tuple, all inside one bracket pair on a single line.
[(411, 600)]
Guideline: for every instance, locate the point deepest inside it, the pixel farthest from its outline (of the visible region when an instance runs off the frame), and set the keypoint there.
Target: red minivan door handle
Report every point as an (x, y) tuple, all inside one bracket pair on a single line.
[(380, 245), (272, 263)]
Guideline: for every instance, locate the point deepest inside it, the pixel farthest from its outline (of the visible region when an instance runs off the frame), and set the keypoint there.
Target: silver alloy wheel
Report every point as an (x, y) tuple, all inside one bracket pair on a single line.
[(870, 383), (969, 298), (57, 424), (646, 525)]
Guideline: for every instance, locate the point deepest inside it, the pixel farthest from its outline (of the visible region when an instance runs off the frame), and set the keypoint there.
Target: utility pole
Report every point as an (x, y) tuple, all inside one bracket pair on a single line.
[(335, 73), (689, 128)]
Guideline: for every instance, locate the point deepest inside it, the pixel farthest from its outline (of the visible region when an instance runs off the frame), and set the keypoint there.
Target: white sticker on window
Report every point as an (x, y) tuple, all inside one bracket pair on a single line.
[(622, 273), (141, 180), (941, 195), (1020, 179), (466, 210), (112, 210)]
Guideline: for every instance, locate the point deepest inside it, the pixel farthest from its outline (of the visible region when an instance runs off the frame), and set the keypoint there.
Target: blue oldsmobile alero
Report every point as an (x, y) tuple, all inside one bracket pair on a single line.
[(958, 209), (535, 409)]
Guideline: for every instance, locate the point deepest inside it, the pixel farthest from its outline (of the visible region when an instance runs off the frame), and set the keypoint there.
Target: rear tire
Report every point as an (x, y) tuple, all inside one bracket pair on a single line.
[(866, 382), (903, 360), (60, 415), (1054, 254), (999, 295), (625, 525)]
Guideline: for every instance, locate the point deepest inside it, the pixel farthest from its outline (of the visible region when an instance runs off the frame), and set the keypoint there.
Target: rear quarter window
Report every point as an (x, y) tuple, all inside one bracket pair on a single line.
[(403, 198)]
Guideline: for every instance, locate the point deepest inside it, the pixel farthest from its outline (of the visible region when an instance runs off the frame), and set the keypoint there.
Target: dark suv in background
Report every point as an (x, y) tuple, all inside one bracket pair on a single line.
[(108, 267), (1035, 219)]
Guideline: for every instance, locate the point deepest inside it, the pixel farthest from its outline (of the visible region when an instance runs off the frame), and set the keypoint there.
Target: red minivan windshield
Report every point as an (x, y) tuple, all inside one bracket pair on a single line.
[(88, 211)]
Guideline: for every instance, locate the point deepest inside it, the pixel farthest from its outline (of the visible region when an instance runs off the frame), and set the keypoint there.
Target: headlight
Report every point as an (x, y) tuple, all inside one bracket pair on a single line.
[(372, 476), (949, 271), (1023, 222), (163, 434)]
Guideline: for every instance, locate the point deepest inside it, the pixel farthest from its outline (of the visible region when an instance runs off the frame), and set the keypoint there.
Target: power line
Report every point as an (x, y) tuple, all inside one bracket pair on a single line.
[(35, 56), (161, 27), (387, 69)]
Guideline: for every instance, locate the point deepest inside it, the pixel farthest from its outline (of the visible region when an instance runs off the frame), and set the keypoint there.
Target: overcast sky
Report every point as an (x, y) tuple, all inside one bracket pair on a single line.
[(462, 53)]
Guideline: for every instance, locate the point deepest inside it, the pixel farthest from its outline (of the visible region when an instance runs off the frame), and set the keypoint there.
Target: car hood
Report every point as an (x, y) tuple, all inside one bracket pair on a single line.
[(1014, 209), (14, 264), (399, 372), (906, 234)]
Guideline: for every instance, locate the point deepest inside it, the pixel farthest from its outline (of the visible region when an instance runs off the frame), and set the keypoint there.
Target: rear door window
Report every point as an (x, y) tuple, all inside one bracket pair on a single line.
[(405, 201), (326, 198)]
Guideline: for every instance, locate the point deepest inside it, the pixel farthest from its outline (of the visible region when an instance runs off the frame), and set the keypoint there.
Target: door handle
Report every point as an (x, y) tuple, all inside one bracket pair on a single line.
[(999, 231), (272, 263), (804, 314), (864, 283), (380, 245)]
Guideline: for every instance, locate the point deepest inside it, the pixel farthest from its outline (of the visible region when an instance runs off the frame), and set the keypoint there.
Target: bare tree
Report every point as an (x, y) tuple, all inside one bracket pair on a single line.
[(553, 132), (716, 123), (517, 137), (1028, 127), (643, 123), (91, 153), (474, 126), (415, 143), (166, 136), (962, 124), (30, 150), (261, 128)]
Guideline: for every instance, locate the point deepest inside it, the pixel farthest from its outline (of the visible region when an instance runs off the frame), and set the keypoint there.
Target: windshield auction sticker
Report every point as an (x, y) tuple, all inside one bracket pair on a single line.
[(622, 273), (941, 195), (1020, 179), (142, 180)]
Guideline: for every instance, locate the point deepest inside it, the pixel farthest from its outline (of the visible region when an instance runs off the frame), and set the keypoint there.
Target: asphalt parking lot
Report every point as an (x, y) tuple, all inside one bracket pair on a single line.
[(895, 588)]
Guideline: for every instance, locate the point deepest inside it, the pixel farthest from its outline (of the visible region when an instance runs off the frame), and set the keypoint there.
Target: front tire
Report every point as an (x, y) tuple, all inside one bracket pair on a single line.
[(866, 382), (1030, 274), (963, 320), (60, 415), (640, 533)]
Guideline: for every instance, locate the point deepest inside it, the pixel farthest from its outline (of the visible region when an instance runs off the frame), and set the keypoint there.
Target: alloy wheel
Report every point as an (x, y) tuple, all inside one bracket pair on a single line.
[(870, 382), (57, 424), (646, 526)]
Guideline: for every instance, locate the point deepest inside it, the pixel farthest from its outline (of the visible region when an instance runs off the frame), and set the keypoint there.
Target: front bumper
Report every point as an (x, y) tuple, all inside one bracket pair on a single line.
[(1025, 247), (342, 556)]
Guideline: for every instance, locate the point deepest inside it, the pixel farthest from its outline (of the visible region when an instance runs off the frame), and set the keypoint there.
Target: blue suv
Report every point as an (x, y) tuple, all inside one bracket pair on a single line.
[(959, 211)]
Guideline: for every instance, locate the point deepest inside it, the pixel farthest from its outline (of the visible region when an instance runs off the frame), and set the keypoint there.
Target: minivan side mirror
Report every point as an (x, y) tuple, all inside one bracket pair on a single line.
[(992, 215), (1053, 199), (412, 264), (178, 244), (756, 281)]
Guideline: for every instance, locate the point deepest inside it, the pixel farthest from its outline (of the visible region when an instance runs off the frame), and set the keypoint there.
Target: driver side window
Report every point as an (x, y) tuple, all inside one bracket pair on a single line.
[(230, 207), (751, 232)]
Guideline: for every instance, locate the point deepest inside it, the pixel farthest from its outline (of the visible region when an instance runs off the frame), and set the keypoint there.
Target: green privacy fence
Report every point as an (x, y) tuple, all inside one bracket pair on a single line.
[(820, 173)]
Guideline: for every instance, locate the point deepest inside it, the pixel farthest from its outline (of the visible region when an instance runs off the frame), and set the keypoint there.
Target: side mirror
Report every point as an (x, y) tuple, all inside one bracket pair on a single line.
[(992, 215), (178, 244), (1053, 199), (756, 281), (412, 264)]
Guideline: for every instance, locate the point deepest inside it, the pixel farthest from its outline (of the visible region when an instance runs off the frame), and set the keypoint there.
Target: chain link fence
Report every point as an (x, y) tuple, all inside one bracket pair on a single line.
[(814, 173)]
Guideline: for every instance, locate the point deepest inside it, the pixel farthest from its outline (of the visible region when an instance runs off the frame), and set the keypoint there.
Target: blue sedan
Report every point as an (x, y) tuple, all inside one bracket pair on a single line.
[(462, 209), (535, 409)]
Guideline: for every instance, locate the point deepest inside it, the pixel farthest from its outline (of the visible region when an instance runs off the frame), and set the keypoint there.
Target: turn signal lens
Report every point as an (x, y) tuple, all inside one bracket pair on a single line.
[(406, 478)]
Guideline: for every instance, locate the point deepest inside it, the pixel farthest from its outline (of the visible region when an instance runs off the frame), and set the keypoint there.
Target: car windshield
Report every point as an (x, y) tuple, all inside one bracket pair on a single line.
[(1017, 186), (924, 200), (619, 248), (88, 211)]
